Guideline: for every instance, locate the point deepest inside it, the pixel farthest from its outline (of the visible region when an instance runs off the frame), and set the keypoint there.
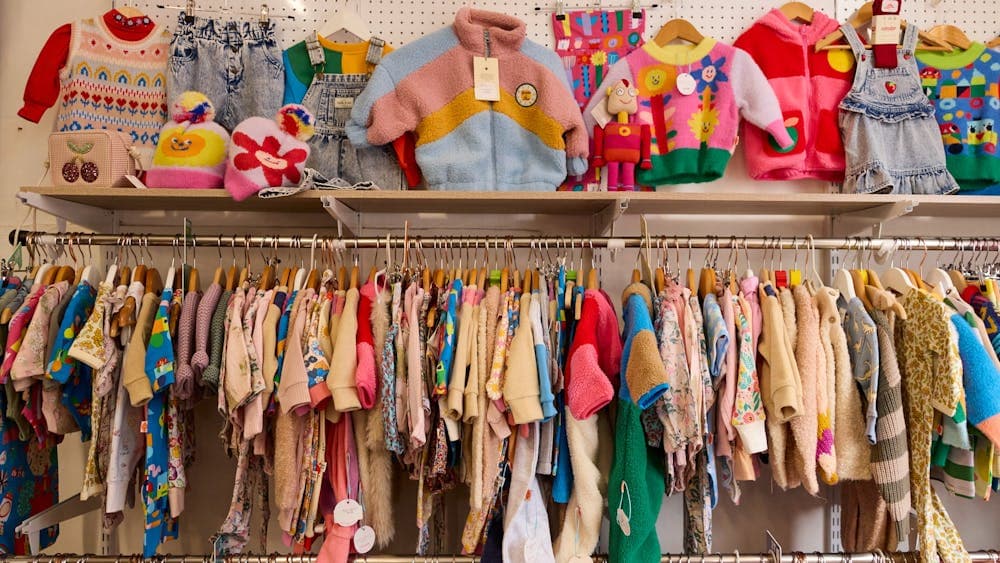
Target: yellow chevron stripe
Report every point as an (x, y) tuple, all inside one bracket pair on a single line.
[(533, 119), (440, 123)]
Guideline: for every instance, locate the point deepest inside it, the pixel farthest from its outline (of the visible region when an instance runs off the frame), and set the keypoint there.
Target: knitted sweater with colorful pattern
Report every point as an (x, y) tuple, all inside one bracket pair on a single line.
[(692, 98), (964, 87)]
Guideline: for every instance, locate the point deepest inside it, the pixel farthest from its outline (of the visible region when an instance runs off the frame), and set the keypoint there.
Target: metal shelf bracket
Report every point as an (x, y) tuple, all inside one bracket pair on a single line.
[(855, 223), (87, 216)]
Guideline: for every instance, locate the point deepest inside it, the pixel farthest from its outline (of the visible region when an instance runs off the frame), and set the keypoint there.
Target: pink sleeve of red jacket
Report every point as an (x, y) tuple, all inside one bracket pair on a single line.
[(588, 389), (364, 374), (42, 88)]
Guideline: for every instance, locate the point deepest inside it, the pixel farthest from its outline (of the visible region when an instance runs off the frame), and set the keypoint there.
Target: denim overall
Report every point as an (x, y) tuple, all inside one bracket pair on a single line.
[(330, 98), (891, 139)]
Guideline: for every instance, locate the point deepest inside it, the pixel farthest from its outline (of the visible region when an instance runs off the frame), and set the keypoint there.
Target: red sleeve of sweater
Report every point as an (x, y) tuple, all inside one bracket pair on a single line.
[(42, 88), (405, 148), (364, 375)]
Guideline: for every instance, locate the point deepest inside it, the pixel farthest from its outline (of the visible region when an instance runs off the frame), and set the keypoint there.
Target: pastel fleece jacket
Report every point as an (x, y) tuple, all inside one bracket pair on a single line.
[(694, 135), (809, 86), (964, 87), (528, 140)]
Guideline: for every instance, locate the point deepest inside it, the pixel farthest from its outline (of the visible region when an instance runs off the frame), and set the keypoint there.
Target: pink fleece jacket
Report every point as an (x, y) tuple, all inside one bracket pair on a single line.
[(809, 86), (364, 374)]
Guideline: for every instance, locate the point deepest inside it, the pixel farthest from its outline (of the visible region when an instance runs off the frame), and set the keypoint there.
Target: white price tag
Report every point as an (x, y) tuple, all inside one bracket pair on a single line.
[(601, 115), (364, 539), (885, 29), (347, 512), (486, 78), (623, 523), (686, 83)]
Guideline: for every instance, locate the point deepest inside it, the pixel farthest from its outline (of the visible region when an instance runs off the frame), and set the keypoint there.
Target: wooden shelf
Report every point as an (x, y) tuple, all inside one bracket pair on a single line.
[(131, 199), (92, 207)]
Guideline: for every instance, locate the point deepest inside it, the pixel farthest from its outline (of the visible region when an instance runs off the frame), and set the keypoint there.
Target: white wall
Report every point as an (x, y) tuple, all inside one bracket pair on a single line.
[(797, 520)]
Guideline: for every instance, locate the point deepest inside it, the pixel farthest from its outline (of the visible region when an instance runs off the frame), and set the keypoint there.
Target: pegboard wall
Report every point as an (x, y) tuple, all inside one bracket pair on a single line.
[(401, 21)]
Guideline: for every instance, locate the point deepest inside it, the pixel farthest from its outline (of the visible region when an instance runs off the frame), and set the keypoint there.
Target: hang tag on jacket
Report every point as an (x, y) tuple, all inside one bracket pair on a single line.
[(364, 539), (623, 523), (347, 512), (686, 83), (486, 78)]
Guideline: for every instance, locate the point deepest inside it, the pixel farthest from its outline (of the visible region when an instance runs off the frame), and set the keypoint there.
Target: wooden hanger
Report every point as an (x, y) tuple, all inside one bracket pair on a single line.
[(50, 275), (354, 277), (231, 277), (797, 11), (950, 34), (154, 283), (347, 20), (994, 43), (194, 283), (65, 274), (864, 16), (678, 29)]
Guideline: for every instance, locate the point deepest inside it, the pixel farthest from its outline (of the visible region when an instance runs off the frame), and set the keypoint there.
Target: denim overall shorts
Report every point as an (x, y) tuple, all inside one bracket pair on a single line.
[(330, 98), (891, 138)]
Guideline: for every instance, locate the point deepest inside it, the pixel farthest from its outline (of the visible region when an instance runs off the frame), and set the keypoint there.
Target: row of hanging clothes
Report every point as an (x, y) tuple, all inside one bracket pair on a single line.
[(515, 389)]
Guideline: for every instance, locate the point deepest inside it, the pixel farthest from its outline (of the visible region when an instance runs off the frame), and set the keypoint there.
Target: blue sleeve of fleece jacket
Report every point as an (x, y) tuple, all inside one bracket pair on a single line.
[(637, 321), (981, 379)]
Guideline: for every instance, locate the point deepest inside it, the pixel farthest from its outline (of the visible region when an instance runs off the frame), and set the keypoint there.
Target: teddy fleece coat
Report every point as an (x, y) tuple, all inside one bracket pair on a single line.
[(528, 140), (636, 482)]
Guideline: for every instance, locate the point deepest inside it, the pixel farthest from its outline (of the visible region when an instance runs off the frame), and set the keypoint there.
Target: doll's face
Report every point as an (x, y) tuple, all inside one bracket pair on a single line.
[(708, 73), (622, 98)]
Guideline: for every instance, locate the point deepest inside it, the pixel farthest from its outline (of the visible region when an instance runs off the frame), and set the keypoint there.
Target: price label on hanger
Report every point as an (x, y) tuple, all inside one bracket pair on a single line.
[(486, 78), (364, 539), (348, 512)]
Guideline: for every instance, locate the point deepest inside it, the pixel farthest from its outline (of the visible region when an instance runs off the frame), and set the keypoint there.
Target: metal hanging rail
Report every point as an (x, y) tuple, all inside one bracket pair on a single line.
[(787, 557), (988, 244)]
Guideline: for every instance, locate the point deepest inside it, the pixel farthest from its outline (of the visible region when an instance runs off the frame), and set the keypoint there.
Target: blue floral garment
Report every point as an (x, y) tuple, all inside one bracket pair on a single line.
[(160, 371), (29, 484), (75, 376)]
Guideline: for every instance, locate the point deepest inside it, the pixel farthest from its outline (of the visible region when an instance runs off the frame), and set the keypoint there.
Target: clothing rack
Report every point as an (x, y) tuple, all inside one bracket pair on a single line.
[(991, 556), (981, 244)]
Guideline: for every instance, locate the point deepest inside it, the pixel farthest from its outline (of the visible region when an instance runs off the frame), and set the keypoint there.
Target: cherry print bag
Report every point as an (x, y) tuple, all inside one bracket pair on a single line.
[(91, 158)]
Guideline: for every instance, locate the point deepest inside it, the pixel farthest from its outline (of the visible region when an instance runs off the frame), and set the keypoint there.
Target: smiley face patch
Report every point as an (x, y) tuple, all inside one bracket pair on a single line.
[(526, 95)]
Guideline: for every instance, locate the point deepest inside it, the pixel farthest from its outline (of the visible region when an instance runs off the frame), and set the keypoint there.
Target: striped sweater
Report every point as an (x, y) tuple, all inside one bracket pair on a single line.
[(528, 140), (890, 456)]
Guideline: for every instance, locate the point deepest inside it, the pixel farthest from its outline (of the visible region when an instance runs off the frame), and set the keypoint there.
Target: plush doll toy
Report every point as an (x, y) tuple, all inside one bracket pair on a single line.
[(620, 144)]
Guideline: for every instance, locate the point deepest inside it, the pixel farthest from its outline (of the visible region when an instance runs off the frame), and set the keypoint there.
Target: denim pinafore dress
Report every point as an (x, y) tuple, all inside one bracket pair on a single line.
[(890, 136)]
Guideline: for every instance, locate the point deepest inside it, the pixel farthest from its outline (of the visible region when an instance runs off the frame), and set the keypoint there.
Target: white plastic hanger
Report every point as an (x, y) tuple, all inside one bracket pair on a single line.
[(897, 280), (90, 274), (172, 271), (346, 20), (843, 281)]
